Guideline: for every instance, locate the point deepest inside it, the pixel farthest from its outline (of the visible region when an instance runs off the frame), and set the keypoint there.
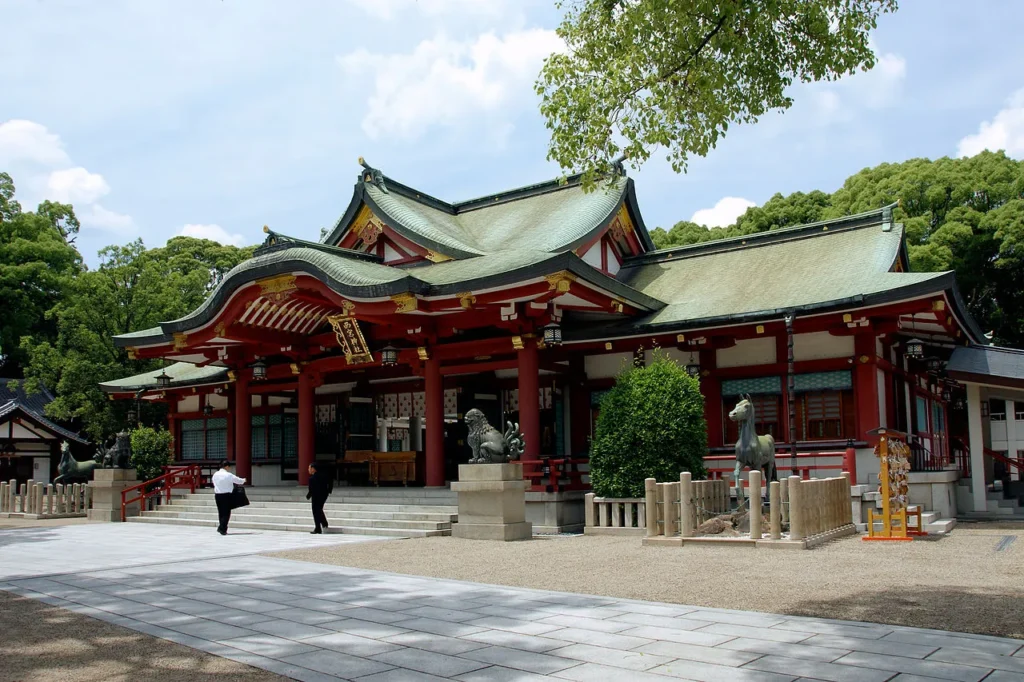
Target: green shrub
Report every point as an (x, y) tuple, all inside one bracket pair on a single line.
[(151, 451), (651, 426)]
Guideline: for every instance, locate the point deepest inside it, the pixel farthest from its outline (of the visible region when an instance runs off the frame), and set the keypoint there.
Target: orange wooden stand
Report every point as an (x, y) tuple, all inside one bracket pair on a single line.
[(890, 443)]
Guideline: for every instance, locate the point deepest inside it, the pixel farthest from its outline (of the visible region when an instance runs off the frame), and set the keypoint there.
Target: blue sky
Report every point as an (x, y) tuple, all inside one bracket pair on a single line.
[(215, 117)]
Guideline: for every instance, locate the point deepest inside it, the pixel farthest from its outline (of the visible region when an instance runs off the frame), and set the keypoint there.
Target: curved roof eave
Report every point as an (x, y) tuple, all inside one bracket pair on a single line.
[(348, 216), (943, 283), (414, 236)]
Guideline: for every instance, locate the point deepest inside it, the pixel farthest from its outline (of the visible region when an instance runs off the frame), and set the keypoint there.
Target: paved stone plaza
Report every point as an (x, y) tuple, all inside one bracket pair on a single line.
[(315, 622)]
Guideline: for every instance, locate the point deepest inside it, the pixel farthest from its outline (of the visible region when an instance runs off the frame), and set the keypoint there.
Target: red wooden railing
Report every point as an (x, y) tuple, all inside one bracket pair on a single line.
[(961, 456), (554, 475), (1007, 461), (844, 460), (188, 476)]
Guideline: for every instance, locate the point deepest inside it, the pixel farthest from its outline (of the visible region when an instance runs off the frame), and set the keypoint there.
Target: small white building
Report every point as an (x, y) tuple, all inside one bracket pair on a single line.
[(29, 441)]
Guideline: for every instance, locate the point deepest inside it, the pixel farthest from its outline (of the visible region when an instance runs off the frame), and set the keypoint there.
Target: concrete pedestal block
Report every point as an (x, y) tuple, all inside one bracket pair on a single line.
[(106, 486), (492, 502)]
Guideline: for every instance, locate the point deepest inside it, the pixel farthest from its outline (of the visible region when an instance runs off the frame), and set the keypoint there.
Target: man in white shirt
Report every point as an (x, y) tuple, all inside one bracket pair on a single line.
[(223, 486)]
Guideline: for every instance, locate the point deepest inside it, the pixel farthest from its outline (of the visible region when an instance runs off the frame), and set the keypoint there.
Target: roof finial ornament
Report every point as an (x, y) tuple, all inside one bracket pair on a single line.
[(373, 176), (617, 164)]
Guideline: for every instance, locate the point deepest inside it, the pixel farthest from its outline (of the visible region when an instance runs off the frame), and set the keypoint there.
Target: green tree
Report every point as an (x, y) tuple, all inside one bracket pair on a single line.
[(37, 263), (638, 75), (151, 451), (132, 289), (651, 426)]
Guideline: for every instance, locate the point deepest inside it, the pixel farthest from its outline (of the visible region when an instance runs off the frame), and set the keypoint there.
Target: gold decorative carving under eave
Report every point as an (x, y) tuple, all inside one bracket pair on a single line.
[(405, 303), (466, 299), (759, 329), (295, 368), (132, 350), (221, 329), (232, 376), (422, 353), (938, 305), (623, 216), (617, 305), (560, 281), (180, 340), (517, 342), (277, 288), (435, 257)]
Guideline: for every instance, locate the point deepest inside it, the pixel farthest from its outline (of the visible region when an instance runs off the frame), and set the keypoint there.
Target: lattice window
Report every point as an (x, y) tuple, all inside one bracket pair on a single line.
[(275, 436), (204, 439), (823, 415), (997, 409), (259, 436), (217, 438)]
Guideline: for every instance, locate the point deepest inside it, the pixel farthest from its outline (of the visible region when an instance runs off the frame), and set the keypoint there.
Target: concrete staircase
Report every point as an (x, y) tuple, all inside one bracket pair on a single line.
[(933, 524), (999, 509), (389, 512)]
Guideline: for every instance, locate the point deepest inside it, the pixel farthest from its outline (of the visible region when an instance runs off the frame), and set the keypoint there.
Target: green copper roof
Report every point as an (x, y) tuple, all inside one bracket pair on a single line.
[(181, 374), (557, 219), (795, 268)]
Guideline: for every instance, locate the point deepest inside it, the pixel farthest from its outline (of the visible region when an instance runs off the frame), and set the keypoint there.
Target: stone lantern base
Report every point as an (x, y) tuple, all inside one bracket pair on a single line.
[(492, 502), (107, 485)]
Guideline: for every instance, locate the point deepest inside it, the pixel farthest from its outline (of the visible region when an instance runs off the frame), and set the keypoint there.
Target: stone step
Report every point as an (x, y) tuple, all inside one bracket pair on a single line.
[(285, 509), (341, 499), (994, 507), (369, 493), (938, 527), (331, 505), (249, 525), (302, 519)]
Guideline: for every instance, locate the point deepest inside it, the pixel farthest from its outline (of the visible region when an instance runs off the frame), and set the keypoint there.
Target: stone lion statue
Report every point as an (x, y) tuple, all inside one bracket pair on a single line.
[(489, 445)]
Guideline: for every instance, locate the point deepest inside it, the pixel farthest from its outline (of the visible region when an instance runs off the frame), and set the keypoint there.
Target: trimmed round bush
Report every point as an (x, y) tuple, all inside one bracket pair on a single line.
[(651, 426), (151, 451)]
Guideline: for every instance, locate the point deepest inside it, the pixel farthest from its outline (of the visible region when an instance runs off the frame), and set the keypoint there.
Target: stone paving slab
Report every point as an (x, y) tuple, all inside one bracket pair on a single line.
[(315, 622)]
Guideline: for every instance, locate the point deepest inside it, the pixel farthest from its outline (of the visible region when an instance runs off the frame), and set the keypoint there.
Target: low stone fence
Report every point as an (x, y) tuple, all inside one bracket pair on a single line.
[(687, 511), (614, 515), (38, 501)]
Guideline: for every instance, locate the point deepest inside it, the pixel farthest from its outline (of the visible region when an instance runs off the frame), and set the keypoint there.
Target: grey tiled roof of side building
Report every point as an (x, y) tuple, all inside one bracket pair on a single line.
[(993, 361)]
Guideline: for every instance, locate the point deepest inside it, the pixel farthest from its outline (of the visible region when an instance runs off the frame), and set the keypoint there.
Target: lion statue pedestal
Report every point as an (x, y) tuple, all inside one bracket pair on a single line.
[(107, 485), (492, 502)]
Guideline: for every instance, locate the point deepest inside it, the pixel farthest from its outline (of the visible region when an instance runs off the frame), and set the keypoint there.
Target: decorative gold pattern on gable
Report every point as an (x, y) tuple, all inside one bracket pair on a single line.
[(560, 281), (278, 288), (435, 257), (180, 340), (466, 299), (898, 265), (621, 224), (132, 350), (404, 303), (221, 329)]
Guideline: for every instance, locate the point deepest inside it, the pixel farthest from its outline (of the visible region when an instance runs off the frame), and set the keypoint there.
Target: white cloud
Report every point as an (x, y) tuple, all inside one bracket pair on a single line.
[(28, 141), (212, 232), (42, 169), (1005, 131), (95, 217), (446, 82), (878, 88), (724, 213), (76, 186), (390, 9)]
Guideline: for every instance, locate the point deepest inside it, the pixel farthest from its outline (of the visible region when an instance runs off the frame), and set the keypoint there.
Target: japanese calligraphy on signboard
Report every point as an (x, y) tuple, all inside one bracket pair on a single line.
[(350, 338)]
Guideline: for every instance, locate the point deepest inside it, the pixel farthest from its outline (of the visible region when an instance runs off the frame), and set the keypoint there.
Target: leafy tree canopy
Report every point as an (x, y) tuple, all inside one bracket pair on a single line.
[(37, 262), (638, 75), (965, 215)]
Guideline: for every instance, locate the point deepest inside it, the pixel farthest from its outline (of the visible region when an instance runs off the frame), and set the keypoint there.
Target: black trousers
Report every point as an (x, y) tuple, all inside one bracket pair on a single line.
[(223, 510), (319, 518)]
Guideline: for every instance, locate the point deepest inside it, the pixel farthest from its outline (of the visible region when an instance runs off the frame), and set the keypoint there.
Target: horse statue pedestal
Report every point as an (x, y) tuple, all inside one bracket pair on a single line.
[(492, 502), (106, 486)]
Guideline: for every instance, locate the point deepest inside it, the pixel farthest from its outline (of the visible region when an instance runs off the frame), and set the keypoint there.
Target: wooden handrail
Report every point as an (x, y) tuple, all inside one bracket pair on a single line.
[(557, 469), (187, 476), (1000, 457)]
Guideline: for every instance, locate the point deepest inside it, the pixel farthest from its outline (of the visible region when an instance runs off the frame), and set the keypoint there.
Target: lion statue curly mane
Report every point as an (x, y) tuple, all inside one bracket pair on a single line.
[(489, 445)]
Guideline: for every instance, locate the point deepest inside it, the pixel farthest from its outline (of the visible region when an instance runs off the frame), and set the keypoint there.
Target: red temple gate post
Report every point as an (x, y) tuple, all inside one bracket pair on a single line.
[(529, 398), (435, 422), (243, 430)]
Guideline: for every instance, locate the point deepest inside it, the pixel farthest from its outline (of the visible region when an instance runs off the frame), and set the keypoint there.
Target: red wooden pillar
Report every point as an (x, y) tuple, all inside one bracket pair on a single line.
[(231, 426), (529, 399), (579, 406), (172, 426), (434, 389), (243, 430), (865, 384), (307, 426), (711, 387)]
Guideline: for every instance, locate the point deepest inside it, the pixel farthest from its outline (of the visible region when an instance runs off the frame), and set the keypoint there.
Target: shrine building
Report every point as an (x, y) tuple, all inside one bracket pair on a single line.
[(366, 349)]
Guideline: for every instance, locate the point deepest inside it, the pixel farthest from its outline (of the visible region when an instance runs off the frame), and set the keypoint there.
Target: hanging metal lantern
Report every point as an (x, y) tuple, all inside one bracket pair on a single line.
[(259, 370), (915, 348), (131, 417), (933, 364), (162, 380), (389, 356), (692, 367), (208, 409), (552, 335), (946, 395)]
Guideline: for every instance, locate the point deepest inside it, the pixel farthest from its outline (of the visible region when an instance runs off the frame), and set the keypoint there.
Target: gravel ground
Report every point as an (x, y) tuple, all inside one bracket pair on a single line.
[(959, 582), (43, 643)]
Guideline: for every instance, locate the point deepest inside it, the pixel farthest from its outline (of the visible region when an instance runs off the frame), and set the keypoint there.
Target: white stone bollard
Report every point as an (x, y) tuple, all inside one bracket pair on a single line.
[(796, 526), (754, 493), (775, 509), (686, 510), (670, 507), (651, 500), (3, 497), (588, 510)]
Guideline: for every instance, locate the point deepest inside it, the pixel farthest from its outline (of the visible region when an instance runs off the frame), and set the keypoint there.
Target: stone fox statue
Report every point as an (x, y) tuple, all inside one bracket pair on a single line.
[(489, 445), (70, 469)]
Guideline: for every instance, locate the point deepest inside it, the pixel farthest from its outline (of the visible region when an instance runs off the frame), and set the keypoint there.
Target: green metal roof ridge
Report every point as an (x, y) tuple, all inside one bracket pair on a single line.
[(748, 241), (276, 241)]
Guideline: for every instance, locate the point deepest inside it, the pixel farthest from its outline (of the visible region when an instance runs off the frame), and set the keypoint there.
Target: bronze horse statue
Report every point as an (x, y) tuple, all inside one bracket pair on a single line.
[(70, 469), (752, 450)]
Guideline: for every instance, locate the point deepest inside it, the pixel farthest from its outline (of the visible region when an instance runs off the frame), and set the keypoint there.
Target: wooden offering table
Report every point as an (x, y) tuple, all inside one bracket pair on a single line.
[(389, 467)]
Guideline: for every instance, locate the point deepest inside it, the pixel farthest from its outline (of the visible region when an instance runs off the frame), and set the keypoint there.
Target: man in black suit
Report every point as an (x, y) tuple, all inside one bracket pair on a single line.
[(320, 487)]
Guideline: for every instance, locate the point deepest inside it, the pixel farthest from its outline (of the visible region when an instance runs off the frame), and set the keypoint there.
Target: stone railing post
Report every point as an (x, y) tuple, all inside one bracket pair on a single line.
[(686, 516), (796, 526), (775, 509), (784, 499), (588, 510), (651, 500), (754, 493), (847, 499), (669, 508)]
